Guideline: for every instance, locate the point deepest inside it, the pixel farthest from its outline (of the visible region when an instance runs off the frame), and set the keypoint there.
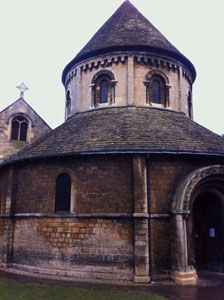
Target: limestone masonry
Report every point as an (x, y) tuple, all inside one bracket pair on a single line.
[(129, 188)]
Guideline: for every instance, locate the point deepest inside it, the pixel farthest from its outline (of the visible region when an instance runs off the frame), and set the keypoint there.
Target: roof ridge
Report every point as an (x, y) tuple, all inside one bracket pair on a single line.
[(23, 100)]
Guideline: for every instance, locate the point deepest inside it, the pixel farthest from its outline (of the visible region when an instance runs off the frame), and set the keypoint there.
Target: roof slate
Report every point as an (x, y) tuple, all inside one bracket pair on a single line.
[(125, 129), (127, 29)]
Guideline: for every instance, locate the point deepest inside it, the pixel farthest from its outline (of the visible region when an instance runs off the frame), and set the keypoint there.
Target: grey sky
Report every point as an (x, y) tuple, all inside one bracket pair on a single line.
[(38, 38)]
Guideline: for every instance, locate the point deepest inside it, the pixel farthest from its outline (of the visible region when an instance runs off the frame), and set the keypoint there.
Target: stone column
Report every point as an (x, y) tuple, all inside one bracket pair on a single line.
[(183, 274), (141, 220)]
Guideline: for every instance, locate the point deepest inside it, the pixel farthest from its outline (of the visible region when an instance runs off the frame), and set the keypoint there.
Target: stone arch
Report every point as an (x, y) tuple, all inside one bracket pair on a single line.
[(102, 72), (183, 199), (22, 115), (158, 73), (181, 207)]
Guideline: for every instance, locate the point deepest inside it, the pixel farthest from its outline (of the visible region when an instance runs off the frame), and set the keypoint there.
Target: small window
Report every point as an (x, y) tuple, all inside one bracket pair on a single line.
[(103, 88), (63, 193), (157, 90), (68, 102), (19, 128), (189, 102)]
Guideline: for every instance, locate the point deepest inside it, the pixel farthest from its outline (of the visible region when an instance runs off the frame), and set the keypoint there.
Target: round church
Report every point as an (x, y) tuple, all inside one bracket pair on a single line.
[(129, 188)]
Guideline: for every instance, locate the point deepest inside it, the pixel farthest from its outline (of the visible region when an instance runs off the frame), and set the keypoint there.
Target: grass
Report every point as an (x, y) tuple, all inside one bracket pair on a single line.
[(13, 290)]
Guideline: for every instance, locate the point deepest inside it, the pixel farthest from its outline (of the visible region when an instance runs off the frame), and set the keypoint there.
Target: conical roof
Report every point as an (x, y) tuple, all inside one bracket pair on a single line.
[(128, 29)]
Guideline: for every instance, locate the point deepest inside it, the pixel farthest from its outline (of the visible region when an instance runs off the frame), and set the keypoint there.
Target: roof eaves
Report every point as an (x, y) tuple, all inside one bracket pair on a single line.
[(8, 162)]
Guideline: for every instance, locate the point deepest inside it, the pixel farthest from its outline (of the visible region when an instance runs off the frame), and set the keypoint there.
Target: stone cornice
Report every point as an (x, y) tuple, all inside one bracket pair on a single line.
[(95, 64)]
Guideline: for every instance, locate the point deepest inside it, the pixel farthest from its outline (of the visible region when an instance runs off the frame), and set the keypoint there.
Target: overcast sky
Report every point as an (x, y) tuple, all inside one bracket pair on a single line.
[(38, 38)]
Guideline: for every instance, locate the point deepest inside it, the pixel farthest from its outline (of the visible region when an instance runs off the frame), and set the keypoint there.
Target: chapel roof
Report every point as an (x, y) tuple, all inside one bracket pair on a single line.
[(17, 104), (136, 130), (128, 29)]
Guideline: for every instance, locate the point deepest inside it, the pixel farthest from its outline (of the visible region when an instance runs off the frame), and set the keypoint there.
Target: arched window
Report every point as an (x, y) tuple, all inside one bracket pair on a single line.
[(63, 193), (19, 128), (104, 91), (157, 90), (68, 102), (103, 88)]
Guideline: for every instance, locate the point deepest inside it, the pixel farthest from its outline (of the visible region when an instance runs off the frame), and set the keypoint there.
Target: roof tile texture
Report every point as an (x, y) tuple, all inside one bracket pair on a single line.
[(125, 129)]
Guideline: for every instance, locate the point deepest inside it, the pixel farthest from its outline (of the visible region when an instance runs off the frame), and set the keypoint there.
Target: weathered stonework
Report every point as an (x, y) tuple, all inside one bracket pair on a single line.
[(133, 163), (130, 71), (36, 128), (89, 248), (126, 233)]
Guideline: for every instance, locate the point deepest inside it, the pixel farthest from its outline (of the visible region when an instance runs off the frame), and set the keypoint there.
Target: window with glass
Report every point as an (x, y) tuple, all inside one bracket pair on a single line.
[(19, 129), (157, 91), (103, 88), (63, 193)]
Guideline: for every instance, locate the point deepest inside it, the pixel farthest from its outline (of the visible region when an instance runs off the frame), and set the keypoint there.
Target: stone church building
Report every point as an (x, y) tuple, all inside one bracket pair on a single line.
[(129, 188)]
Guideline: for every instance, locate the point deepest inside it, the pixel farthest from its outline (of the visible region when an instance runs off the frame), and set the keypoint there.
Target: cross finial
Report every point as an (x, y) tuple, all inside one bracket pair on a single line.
[(22, 88)]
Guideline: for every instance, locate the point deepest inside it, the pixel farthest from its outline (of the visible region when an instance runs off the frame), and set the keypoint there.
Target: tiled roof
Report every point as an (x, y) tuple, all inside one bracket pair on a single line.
[(128, 29), (125, 129)]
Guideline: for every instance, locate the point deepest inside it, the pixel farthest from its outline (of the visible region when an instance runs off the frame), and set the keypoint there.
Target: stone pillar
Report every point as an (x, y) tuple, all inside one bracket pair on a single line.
[(141, 217), (130, 81), (183, 274)]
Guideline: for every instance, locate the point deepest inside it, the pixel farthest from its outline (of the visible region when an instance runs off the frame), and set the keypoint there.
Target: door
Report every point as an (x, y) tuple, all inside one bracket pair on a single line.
[(208, 233)]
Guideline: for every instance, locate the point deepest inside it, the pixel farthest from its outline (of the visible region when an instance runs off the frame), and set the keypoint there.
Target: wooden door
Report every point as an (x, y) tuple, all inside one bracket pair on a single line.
[(208, 234)]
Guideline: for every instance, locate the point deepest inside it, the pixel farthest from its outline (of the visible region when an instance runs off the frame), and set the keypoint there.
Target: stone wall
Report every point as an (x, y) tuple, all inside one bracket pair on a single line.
[(4, 184), (130, 70), (120, 224), (98, 185), (1, 238), (85, 248)]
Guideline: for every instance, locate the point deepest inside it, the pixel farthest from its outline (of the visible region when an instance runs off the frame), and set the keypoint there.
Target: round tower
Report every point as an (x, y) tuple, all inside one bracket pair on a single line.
[(128, 62), (117, 193)]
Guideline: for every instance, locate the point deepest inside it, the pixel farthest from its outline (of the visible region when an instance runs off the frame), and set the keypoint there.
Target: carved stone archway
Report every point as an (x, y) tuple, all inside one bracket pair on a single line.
[(181, 208)]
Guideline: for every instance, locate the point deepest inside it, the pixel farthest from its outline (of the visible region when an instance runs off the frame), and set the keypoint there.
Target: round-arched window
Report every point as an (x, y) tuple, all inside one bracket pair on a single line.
[(63, 193), (103, 88), (157, 90)]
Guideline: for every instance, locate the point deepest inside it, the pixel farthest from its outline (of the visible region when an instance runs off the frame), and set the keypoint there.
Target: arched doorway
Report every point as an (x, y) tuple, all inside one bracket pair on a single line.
[(207, 232), (187, 208)]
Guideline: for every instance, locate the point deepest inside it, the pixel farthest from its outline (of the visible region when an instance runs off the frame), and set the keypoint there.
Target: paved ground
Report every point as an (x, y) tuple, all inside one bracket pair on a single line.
[(211, 286)]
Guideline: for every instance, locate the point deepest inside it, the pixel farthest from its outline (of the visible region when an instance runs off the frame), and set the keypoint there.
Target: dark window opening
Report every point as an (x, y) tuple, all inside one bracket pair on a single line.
[(19, 128), (63, 193), (156, 91), (189, 102), (68, 102), (104, 91)]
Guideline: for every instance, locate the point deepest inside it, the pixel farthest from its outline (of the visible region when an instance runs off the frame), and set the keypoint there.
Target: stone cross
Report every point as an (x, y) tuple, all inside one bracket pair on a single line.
[(22, 88)]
